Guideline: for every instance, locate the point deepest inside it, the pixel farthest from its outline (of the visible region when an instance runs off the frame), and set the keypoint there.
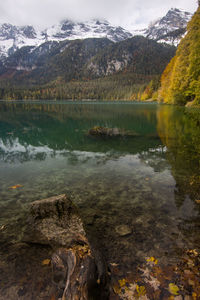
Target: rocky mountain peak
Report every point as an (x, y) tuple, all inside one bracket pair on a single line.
[(14, 37), (28, 32), (93, 28), (169, 28), (176, 17)]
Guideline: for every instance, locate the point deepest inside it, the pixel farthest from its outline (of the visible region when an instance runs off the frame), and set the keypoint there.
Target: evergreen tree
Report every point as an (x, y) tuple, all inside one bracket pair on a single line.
[(180, 82)]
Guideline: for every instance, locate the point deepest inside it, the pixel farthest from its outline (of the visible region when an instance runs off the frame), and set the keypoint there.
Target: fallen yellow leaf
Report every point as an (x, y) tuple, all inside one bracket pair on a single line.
[(173, 289), (16, 186), (122, 282), (116, 289), (152, 259), (193, 252), (194, 296), (46, 262), (197, 201), (140, 290)]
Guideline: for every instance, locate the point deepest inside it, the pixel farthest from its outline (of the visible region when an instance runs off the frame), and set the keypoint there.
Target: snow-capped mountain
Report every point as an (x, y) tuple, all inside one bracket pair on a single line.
[(89, 29), (170, 29), (15, 37)]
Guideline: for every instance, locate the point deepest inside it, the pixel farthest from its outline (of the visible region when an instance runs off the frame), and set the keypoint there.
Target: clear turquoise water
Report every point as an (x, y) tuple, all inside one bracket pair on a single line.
[(148, 181)]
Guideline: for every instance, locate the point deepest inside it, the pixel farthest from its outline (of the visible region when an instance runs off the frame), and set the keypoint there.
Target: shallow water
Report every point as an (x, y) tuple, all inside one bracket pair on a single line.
[(148, 180)]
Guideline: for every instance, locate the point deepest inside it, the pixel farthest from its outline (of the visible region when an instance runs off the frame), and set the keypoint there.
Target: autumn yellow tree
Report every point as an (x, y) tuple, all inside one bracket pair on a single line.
[(180, 82)]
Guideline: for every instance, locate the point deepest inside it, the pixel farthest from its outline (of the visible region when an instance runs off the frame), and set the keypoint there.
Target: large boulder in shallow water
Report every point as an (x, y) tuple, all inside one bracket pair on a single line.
[(79, 272), (54, 221)]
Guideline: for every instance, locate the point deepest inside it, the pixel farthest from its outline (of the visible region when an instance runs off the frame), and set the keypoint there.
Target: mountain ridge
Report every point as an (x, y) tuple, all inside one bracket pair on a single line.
[(89, 58), (102, 68), (15, 37), (169, 28)]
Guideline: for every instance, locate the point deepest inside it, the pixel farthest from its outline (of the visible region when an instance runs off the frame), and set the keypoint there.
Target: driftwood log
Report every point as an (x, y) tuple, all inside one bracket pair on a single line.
[(78, 272)]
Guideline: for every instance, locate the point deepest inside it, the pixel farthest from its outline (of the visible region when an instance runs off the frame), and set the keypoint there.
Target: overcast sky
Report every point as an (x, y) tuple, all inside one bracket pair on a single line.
[(130, 14)]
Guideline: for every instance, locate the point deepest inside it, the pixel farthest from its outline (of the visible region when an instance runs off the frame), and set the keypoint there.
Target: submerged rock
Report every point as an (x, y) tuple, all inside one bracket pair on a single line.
[(104, 131), (54, 221), (100, 131), (79, 272), (123, 230)]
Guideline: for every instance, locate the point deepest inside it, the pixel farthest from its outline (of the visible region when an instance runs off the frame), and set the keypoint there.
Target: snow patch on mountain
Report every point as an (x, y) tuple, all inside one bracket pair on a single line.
[(169, 29), (5, 46), (89, 29), (14, 37)]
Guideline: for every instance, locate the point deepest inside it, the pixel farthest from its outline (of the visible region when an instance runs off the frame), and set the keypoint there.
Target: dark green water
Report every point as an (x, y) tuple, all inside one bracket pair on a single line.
[(148, 181)]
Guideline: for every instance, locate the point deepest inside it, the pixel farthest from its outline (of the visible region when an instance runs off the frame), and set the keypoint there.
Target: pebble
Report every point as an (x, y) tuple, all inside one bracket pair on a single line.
[(123, 230)]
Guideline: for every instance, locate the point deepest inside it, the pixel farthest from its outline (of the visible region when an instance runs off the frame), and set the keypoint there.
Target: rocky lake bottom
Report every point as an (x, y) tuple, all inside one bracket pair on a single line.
[(138, 196)]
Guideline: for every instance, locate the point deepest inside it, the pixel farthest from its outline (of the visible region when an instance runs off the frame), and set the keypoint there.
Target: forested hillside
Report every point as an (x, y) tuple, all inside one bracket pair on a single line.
[(180, 82), (91, 68)]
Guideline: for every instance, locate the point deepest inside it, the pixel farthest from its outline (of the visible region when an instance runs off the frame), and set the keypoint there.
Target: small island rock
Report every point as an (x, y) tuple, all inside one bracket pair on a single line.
[(104, 131)]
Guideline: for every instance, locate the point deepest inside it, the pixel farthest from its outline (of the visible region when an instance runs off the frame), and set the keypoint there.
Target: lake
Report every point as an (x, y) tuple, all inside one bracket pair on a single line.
[(148, 180)]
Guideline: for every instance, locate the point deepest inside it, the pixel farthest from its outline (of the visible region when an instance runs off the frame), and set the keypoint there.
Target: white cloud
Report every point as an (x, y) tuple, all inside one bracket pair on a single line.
[(127, 13)]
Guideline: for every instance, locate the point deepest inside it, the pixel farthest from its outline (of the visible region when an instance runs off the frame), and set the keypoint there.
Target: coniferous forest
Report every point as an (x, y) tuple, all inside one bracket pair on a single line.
[(88, 69), (96, 68)]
